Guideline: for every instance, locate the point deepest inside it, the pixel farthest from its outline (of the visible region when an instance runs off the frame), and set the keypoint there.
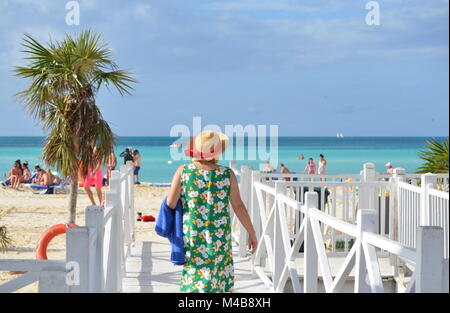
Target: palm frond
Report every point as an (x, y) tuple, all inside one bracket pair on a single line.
[(435, 157)]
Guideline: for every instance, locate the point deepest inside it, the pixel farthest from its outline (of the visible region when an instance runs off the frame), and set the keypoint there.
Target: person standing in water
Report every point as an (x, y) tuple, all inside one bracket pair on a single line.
[(322, 170), (310, 167), (208, 192), (137, 165), (127, 155)]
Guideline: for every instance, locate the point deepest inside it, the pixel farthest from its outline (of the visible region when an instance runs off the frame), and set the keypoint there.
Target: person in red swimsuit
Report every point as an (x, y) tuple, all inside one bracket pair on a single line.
[(94, 178)]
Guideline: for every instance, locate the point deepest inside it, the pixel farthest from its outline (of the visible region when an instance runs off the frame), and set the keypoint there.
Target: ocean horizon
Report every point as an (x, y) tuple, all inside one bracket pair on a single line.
[(344, 155)]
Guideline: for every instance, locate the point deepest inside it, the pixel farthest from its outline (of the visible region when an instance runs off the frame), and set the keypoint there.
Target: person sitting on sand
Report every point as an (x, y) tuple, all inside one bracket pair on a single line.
[(54, 179), (15, 175), (26, 177), (45, 178), (310, 167), (208, 192), (37, 174)]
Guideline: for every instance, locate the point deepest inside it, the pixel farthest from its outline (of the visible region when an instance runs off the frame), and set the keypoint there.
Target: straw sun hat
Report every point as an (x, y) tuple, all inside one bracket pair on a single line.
[(207, 146)]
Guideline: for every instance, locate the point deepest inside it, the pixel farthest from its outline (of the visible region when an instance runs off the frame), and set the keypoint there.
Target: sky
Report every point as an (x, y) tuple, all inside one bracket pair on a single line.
[(312, 67)]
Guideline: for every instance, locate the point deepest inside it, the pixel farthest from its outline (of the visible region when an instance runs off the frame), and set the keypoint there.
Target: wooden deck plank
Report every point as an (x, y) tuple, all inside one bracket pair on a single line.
[(148, 269)]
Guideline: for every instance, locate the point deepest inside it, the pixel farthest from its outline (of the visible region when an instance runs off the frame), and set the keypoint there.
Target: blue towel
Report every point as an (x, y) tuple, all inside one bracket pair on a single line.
[(170, 225)]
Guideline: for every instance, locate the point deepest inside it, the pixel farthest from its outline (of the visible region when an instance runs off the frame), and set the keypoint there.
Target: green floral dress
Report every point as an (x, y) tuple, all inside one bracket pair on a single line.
[(206, 230)]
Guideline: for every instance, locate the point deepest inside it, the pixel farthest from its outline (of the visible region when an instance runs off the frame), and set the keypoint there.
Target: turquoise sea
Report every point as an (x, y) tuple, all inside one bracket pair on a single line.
[(344, 155)]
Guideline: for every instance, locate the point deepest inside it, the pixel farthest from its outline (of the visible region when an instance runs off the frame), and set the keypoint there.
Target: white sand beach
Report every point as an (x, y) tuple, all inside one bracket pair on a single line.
[(28, 215)]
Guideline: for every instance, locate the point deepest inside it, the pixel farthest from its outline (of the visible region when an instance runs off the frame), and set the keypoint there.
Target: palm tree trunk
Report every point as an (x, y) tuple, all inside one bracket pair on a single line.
[(73, 198)]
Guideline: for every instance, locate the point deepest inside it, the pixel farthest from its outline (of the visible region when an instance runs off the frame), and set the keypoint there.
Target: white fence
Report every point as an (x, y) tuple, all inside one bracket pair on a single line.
[(425, 206), (95, 253), (280, 250), (277, 205)]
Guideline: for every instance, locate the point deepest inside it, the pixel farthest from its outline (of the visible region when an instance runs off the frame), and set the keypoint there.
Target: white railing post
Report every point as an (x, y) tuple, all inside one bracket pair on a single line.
[(114, 275), (368, 199), (430, 257), (399, 176), (131, 200), (246, 184), (366, 222), (310, 255), (394, 217), (78, 251), (254, 211), (126, 231), (428, 180), (279, 257), (94, 219)]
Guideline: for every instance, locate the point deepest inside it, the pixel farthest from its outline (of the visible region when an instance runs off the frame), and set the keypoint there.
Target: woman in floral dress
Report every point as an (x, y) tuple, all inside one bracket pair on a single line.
[(207, 190)]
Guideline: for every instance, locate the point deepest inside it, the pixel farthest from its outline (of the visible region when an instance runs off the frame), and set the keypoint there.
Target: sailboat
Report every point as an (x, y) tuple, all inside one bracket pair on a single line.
[(339, 135)]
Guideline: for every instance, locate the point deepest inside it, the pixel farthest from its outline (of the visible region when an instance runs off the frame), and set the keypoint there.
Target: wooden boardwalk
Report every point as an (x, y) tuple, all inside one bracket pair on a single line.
[(148, 269)]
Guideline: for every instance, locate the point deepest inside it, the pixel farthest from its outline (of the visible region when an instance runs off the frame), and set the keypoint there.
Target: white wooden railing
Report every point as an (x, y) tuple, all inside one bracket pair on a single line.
[(95, 253), (280, 250), (395, 203), (425, 206), (103, 245)]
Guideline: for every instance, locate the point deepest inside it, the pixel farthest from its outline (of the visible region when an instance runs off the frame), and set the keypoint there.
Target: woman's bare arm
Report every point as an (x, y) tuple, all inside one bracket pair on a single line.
[(175, 189), (241, 212)]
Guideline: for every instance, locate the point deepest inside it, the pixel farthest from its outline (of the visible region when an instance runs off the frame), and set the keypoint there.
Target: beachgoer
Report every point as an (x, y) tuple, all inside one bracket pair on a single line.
[(26, 177), (46, 178), (322, 170), (137, 165), (389, 168), (110, 165), (207, 190), (268, 167), (301, 157), (310, 167), (15, 174), (127, 155), (285, 170), (36, 176), (94, 178)]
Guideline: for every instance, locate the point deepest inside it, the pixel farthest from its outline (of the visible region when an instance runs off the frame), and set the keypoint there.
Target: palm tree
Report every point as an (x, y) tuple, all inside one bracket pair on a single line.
[(65, 76), (435, 157)]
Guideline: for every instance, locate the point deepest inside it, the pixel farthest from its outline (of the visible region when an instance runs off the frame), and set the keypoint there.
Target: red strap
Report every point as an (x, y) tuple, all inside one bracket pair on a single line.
[(193, 152)]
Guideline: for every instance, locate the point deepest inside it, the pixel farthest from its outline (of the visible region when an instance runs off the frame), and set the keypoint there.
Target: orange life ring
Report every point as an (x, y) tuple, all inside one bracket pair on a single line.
[(47, 236)]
